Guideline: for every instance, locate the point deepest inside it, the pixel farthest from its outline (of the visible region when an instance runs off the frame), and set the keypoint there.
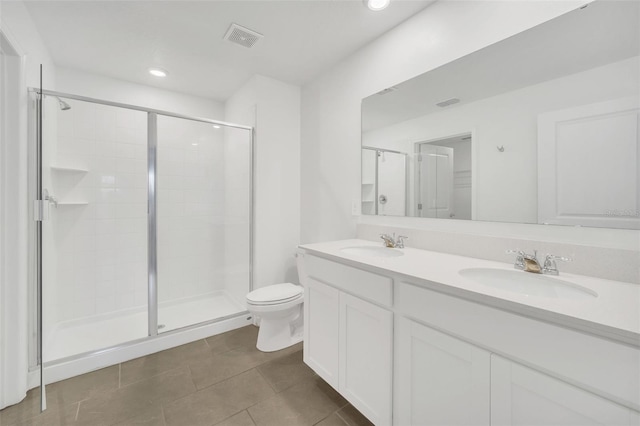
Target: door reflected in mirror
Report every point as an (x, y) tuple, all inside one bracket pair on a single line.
[(443, 168)]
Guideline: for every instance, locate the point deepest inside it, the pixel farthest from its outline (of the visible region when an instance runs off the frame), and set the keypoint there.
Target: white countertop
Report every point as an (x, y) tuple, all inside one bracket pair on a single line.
[(614, 314)]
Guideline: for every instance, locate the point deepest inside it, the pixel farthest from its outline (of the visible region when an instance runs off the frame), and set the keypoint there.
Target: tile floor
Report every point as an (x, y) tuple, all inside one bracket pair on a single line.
[(221, 380)]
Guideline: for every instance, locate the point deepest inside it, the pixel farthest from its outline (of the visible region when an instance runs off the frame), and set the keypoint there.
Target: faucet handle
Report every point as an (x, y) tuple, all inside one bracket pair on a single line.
[(561, 258), (550, 266), (520, 255)]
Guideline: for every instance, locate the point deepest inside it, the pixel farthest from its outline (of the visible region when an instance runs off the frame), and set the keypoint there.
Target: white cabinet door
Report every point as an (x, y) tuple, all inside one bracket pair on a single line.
[(366, 338), (522, 396), (440, 380), (321, 325)]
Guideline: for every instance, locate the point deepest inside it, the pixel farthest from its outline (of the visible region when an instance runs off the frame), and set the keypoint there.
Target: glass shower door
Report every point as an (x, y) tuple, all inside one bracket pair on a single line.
[(203, 218)]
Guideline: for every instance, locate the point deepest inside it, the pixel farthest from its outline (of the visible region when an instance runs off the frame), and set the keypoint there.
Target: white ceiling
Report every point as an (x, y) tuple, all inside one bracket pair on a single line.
[(602, 33), (122, 39)]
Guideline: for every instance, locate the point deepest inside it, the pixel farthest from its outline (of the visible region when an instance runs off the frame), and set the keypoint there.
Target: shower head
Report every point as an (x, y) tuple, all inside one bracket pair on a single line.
[(63, 105)]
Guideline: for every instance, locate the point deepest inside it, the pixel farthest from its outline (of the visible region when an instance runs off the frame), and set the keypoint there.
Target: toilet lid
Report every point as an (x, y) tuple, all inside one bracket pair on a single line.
[(276, 293)]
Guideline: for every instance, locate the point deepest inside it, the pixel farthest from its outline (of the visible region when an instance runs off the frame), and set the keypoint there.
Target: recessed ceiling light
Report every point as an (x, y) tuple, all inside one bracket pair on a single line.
[(194, 144), (377, 5), (215, 126), (158, 72)]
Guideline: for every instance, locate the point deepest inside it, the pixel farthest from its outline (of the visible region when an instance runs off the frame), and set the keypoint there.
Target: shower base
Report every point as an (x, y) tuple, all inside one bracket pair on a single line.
[(75, 337)]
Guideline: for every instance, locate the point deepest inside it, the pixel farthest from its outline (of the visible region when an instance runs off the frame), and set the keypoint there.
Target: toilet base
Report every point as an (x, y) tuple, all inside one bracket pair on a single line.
[(279, 333), (272, 344)]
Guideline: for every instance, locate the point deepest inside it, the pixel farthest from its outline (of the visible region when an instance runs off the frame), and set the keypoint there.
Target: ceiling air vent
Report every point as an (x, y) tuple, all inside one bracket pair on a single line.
[(448, 102), (243, 36), (388, 90)]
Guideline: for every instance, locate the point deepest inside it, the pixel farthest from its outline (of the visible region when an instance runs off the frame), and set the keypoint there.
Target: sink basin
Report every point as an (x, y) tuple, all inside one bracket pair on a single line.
[(370, 251), (527, 284)]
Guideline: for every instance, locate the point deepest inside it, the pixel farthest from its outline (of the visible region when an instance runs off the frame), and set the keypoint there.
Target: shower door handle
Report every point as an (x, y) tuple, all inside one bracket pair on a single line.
[(40, 210), (41, 207)]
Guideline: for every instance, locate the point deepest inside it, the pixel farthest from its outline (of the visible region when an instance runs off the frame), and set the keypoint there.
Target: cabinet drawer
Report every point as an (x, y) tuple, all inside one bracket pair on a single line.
[(364, 284)]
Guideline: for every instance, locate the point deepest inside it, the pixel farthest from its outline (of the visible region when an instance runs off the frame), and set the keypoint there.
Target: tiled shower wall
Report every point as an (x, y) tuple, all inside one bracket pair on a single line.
[(101, 244)]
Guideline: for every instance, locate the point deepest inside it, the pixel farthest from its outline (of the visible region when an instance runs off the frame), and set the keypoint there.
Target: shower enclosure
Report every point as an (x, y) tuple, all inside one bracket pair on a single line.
[(142, 228), (385, 182)]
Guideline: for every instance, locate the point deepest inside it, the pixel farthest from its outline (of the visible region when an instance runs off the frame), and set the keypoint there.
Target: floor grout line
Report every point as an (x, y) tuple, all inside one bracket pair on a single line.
[(267, 380), (75, 419), (119, 375), (250, 416), (277, 394), (342, 418), (162, 373), (164, 419), (227, 418), (193, 382)]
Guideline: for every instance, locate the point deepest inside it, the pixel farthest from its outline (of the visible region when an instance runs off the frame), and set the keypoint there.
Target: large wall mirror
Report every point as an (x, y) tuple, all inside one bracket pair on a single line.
[(542, 127)]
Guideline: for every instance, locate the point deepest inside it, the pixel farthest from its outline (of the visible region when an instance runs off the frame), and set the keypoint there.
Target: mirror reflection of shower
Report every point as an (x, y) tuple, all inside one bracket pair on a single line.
[(384, 182)]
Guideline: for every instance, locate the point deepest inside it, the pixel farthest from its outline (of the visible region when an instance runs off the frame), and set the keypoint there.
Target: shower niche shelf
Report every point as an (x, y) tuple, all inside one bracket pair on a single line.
[(73, 203), (69, 169)]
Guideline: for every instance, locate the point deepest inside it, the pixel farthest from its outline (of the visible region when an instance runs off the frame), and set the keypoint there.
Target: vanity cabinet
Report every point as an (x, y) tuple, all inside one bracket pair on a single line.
[(440, 380), (348, 340), (405, 353), (523, 396)]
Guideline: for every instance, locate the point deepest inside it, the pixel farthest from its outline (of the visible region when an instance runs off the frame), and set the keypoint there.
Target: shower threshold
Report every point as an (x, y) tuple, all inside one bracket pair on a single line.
[(75, 337)]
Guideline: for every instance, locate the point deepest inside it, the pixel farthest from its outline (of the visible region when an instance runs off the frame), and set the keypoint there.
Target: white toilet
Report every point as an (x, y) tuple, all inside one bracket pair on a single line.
[(279, 308)]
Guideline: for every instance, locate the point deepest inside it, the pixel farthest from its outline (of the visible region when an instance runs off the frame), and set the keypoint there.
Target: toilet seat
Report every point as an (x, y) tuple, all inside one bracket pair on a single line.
[(275, 294)]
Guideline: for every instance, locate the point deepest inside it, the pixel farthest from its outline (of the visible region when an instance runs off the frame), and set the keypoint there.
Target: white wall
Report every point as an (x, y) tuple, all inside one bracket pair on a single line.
[(16, 23), (111, 89), (330, 152), (510, 120), (276, 106)]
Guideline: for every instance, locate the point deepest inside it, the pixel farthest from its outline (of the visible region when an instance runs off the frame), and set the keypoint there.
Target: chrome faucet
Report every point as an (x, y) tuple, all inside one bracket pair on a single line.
[(392, 242), (526, 262), (549, 267), (530, 263)]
